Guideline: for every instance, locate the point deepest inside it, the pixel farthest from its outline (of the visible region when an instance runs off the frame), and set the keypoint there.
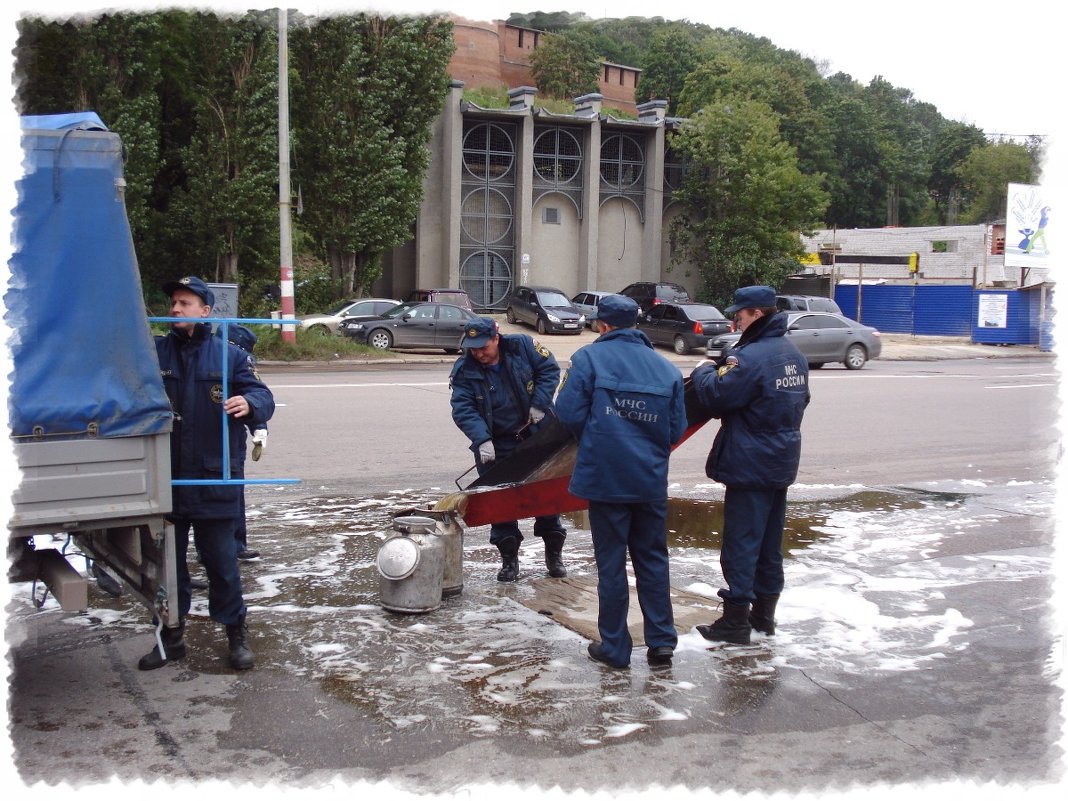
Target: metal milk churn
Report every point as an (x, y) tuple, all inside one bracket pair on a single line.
[(452, 534), (411, 566)]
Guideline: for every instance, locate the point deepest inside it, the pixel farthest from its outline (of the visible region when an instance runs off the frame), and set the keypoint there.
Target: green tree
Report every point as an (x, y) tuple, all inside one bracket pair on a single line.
[(857, 186), (985, 175), (671, 57), (734, 64), (228, 202), (745, 197), (368, 90), (566, 65), (903, 151), (953, 143)]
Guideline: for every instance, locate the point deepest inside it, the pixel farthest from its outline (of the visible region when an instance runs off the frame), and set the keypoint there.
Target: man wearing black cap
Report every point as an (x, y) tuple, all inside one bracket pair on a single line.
[(759, 392), (191, 364), (502, 388), (624, 402)]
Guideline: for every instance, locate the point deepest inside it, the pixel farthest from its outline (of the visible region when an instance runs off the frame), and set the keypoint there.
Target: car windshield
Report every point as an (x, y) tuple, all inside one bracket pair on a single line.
[(553, 300), (700, 311), (339, 308), (399, 309)]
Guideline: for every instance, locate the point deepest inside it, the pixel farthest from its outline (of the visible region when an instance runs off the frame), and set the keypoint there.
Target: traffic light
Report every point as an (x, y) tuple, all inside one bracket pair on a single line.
[(914, 263)]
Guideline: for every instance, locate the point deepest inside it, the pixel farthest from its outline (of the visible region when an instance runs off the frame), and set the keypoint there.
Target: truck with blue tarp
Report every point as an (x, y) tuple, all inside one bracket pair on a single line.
[(89, 419)]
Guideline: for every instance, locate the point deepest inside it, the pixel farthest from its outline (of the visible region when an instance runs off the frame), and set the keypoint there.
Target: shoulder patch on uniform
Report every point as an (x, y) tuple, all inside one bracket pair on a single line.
[(544, 351), (722, 371)]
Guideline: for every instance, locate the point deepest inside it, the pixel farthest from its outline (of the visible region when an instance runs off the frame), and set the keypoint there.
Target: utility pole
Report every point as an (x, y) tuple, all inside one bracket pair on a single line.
[(289, 333)]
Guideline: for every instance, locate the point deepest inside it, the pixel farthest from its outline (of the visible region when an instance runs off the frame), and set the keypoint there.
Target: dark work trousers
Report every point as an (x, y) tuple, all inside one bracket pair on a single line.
[(641, 529), (241, 531), (214, 540), (547, 524), (751, 556)]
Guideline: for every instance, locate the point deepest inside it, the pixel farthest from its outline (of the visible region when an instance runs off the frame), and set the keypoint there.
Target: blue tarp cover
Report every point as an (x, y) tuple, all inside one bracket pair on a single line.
[(84, 359), (76, 120)]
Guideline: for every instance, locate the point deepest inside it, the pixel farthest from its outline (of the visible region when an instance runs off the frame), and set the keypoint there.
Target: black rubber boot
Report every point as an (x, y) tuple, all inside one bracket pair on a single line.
[(762, 615), (733, 627), (173, 645), (240, 654), (509, 548), (554, 555)]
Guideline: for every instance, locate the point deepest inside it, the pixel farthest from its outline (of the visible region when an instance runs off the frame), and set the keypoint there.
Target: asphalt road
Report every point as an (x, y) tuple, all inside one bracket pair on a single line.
[(894, 422), (927, 490)]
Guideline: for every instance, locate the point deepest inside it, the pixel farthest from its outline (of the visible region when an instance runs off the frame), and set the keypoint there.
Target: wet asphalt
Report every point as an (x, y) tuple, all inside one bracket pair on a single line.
[(917, 650)]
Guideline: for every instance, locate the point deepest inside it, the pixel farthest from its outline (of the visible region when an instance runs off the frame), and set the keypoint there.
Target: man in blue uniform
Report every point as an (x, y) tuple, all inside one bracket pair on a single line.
[(759, 392), (245, 339), (624, 402), (191, 364), (502, 388)]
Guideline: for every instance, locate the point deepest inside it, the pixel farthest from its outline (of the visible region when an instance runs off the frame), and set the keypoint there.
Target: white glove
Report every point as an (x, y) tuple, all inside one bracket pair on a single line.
[(486, 453), (536, 415), (704, 363), (259, 442)]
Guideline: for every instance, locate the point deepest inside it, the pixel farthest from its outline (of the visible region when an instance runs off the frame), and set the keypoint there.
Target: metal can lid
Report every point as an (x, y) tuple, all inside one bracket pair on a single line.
[(398, 558), (415, 524)]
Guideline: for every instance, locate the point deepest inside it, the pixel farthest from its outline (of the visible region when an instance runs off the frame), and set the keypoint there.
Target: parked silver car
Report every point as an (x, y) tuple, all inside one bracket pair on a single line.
[(327, 322), (821, 337), (586, 302)]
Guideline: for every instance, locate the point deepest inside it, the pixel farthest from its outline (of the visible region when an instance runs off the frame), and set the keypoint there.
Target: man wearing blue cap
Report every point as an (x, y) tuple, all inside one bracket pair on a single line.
[(246, 339), (191, 365), (624, 402), (759, 392), (502, 388)]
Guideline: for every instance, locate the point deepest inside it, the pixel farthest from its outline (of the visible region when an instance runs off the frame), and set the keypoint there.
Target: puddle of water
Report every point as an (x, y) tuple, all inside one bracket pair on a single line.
[(699, 524), (863, 594)]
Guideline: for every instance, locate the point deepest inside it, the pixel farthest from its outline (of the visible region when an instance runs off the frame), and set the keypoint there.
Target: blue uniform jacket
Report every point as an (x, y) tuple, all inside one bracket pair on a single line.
[(625, 404), (191, 368), (760, 403), (531, 368)]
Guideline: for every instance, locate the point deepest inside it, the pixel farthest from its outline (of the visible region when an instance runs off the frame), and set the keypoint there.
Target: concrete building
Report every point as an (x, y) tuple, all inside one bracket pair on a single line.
[(523, 196), (950, 254)]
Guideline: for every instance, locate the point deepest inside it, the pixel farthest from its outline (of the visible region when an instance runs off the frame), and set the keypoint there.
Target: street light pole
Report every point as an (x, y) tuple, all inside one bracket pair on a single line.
[(289, 333)]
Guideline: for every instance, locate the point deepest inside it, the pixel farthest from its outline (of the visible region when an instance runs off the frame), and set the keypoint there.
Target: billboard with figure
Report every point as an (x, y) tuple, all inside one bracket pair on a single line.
[(1027, 231)]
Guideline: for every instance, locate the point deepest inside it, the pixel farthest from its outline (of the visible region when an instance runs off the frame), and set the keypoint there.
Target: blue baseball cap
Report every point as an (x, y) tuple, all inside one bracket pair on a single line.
[(241, 336), (618, 311), (752, 297), (478, 332), (194, 285)]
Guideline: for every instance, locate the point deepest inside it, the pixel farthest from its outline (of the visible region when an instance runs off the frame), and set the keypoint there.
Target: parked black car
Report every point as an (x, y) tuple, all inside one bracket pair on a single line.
[(683, 326), (649, 294), (412, 325), (546, 308)]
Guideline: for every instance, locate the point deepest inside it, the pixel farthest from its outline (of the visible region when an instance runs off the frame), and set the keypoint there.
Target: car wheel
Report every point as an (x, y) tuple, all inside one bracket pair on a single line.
[(681, 347), (815, 365), (510, 315), (855, 357), (380, 339), (319, 331), (541, 326)]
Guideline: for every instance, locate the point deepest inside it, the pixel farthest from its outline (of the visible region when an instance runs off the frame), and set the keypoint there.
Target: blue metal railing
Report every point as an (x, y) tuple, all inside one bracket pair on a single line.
[(225, 322)]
